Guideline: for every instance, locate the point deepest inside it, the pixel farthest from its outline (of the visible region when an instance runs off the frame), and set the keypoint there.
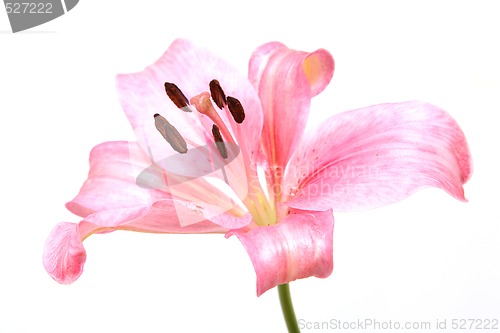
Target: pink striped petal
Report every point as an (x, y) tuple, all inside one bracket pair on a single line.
[(112, 189), (64, 255), (191, 68), (297, 247), (111, 183), (286, 80), (378, 155)]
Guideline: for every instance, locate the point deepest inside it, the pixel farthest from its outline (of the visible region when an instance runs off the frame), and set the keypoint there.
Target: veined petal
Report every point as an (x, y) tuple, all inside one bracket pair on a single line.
[(191, 68), (115, 190), (286, 80), (64, 254), (298, 247), (161, 217), (111, 183), (377, 155)]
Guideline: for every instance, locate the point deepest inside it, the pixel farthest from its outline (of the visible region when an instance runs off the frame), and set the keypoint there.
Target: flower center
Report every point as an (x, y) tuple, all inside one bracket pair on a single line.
[(237, 174)]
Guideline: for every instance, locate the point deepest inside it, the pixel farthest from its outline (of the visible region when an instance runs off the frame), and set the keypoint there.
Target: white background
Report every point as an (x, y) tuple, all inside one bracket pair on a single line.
[(426, 258)]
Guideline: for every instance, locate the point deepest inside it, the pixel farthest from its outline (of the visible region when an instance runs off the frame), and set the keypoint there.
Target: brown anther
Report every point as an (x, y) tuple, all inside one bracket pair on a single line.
[(176, 96), (236, 109), (217, 94), (218, 141), (171, 134)]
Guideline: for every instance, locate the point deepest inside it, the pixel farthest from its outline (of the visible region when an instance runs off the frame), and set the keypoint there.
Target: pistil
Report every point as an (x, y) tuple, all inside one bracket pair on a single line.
[(204, 105)]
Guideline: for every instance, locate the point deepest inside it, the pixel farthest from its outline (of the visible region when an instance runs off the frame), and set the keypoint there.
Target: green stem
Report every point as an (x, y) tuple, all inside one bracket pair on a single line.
[(287, 308)]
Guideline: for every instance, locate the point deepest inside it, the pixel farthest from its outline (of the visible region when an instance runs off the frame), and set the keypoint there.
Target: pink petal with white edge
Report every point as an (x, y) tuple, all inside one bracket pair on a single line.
[(286, 80), (378, 155), (191, 68), (64, 255), (299, 246)]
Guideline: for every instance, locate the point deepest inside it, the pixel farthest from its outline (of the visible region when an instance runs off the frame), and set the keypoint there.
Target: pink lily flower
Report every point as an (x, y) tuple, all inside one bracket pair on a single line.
[(256, 174)]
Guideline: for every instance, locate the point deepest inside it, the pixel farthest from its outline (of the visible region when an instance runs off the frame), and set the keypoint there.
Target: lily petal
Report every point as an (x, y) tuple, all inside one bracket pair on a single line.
[(111, 194), (64, 255), (378, 155), (286, 80), (298, 247), (191, 68), (111, 183)]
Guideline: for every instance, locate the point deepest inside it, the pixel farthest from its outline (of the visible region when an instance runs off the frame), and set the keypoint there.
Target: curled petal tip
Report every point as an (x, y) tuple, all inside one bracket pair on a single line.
[(286, 80), (64, 255), (318, 67)]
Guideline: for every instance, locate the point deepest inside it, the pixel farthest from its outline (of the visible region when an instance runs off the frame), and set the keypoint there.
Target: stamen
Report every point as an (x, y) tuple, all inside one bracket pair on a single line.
[(176, 96), (217, 94), (218, 141), (236, 109), (170, 134)]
